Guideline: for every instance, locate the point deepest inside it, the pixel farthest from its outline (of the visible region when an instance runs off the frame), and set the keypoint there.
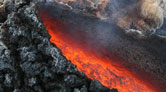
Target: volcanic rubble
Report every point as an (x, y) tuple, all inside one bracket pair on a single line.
[(29, 62)]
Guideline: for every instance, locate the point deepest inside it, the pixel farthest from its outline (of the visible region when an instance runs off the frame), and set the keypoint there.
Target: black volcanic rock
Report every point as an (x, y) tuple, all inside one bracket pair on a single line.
[(29, 62), (95, 86)]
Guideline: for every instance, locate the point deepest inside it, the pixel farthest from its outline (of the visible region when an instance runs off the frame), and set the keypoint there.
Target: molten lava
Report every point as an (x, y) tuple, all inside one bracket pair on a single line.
[(97, 63)]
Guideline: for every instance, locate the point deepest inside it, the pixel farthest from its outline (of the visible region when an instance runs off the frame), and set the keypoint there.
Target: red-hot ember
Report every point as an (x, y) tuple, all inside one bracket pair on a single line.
[(97, 66)]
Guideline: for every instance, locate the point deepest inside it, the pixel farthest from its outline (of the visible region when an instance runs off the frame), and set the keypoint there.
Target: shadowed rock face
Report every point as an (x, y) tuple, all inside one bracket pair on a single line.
[(29, 62)]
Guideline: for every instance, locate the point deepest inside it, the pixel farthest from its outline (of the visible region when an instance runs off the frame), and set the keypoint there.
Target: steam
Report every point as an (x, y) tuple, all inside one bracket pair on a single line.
[(151, 10), (147, 15)]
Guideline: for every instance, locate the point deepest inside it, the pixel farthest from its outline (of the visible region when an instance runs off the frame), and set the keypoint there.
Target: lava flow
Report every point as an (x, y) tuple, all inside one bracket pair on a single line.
[(97, 63)]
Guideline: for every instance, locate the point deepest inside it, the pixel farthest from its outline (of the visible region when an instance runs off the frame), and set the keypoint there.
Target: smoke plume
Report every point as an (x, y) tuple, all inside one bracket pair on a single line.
[(146, 15)]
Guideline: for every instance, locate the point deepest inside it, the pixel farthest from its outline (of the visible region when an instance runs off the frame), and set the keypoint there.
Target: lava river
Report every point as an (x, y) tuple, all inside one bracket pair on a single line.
[(91, 58)]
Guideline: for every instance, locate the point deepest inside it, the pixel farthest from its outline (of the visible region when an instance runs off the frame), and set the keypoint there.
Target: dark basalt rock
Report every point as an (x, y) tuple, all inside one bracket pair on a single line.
[(29, 62), (95, 86)]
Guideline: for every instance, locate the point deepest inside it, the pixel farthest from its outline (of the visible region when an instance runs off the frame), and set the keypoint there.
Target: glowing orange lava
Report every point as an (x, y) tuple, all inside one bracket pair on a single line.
[(95, 65)]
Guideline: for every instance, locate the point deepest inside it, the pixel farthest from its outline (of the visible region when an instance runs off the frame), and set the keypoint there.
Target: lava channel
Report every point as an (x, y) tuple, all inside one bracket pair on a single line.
[(90, 58)]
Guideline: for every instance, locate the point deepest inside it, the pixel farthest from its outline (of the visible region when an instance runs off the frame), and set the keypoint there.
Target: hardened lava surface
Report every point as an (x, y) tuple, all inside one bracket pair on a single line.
[(29, 62)]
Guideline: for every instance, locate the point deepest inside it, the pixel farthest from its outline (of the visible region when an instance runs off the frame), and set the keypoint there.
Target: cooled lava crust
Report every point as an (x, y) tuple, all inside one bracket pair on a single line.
[(29, 62)]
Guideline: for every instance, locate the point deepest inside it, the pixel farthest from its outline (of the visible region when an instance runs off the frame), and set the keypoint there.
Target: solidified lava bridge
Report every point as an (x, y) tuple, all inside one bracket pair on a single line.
[(94, 47)]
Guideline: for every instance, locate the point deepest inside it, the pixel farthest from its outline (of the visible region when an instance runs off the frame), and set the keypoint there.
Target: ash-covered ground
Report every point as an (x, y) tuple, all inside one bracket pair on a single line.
[(29, 62)]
